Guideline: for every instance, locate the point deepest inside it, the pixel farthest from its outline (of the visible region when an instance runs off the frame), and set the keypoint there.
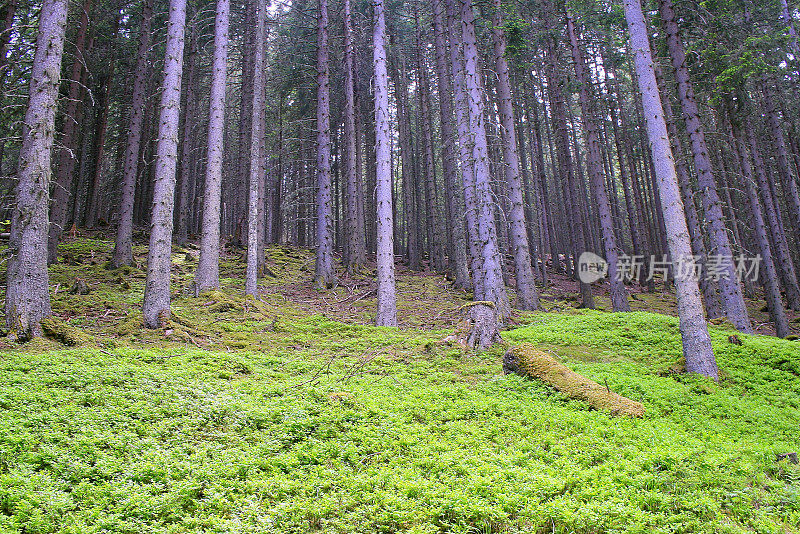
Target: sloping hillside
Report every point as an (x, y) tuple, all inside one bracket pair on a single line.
[(257, 416)]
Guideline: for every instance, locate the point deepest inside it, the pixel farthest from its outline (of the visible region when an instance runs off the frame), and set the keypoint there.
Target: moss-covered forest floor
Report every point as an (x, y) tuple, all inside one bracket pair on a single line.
[(291, 413)]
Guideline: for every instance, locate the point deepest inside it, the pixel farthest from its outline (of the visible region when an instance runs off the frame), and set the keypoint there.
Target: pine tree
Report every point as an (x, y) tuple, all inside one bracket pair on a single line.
[(324, 274), (156, 303), (207, 276), (387, 300), (27, 282), (697, 348)]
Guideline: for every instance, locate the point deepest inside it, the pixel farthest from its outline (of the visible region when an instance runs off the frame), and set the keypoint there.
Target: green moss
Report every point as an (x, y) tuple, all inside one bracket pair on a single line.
[(129, 326), (291, 412), (59, 330), (527, 360)]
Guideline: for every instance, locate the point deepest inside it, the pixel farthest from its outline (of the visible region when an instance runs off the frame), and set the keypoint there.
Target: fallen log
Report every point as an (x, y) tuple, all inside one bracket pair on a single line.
[(526, 360)]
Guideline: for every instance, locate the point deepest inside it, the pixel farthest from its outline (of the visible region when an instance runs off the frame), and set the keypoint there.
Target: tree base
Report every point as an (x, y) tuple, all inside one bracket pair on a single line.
[(480, 328)]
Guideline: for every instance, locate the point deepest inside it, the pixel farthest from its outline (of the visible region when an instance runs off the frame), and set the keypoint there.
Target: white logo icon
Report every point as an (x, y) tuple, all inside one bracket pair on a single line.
[(591, 268)]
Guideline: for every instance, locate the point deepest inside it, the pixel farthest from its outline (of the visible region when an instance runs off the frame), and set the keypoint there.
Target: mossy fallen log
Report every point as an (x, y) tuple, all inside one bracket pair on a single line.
[(526, 360)]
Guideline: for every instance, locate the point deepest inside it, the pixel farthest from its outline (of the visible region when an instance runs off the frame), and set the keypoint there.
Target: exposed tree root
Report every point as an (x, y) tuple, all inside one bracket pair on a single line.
[(480, 328)]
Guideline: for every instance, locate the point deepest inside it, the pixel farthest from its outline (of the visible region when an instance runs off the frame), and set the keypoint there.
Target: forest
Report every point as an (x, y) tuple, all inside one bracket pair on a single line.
[(455, 266)]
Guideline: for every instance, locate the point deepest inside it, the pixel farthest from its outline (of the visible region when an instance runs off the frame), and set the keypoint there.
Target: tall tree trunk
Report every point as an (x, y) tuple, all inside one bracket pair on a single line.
[(540, 185), (354, 232), (143, 177), (465, 148), (239, 184), (277, 184), (156, 303), (186, 158), (457, 250), (494, 286), (67, 155), (207, 276), (433, 221), (95, 199), (780, 246), (529, 192), (370, 204), (619, 299), (633, 215), (788, 183), (387, 301), (769, 275), (710, 297), (324, 275), (27, 283), (360, 196), (261, 216), (256, 125), (730, 287), (697, 348), (566, 169), (527, 295), (413, 251), (123, 254)]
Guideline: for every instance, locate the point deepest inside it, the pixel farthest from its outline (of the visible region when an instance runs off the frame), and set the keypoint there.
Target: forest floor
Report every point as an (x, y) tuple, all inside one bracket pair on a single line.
[(290, 413)]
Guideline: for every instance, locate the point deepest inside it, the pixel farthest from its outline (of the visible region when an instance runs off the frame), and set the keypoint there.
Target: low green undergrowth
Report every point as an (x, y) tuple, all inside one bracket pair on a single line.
[(290, 414), (348, 428)]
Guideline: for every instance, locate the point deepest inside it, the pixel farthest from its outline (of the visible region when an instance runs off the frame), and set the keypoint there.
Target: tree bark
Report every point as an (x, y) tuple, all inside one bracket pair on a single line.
[(324, 275), (239, 184), (67, 155), (540, 186), (186, 158), (93, 207), (780, 246), (457, 250), (207, 276), (531, 196), (730, 287), (494, 285), (713, 305), (354, 232), (619, 299), (566, 170), (27, 282), (527, 295), (769, 274), (465, 149), (413, 249), (123, 254), (697, 348), (387, 300), (256, 125), (788, 183), (156, 303), (433, 220)]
